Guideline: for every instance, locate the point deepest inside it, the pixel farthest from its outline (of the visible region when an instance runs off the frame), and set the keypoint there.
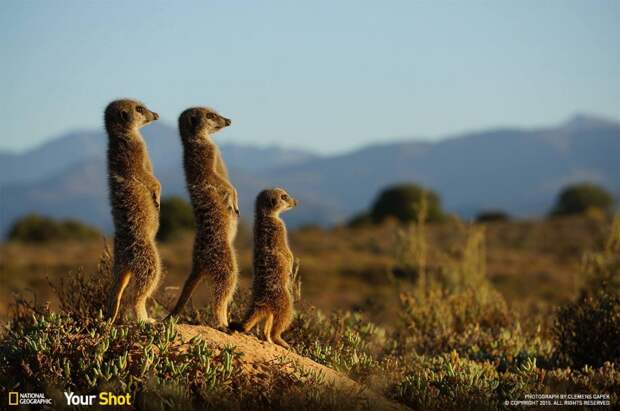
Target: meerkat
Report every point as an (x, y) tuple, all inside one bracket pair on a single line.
[(216, 210), (273, 265), (135, 199)]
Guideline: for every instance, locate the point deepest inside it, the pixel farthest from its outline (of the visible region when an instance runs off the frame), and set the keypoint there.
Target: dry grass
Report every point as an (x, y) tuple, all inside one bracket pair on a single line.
[(534, 264)]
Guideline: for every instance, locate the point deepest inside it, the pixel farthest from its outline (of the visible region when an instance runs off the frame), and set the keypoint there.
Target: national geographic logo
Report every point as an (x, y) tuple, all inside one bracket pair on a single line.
[(104, 398), (28, 398)]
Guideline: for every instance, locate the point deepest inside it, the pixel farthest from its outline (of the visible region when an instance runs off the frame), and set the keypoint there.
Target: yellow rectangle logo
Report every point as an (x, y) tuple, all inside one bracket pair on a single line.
[(13, 398)]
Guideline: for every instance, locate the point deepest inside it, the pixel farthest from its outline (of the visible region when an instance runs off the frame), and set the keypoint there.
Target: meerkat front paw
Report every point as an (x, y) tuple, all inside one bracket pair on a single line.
[(157, 202), (236, 202), (230, 200)]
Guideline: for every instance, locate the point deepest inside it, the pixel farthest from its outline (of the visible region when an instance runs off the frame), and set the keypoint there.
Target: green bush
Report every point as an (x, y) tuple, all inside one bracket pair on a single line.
[(579, 198), (488, 216), (404, 201), (176, 217), (34, 228)]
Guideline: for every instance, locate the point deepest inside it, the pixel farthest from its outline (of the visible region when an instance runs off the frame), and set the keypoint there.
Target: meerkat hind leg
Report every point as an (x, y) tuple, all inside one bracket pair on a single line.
[(140, 310), (223, 294), (281, 322), (268, 326)]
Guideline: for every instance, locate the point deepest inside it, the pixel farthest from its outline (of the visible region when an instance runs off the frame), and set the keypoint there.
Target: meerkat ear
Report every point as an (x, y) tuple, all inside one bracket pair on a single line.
[(274, 201), (124, 115)]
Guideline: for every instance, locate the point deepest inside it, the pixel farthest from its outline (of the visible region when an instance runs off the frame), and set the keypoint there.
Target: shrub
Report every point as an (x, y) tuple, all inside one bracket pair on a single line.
[(360, 220), (579, 198), (602, 269), (82, 295), (34, 228), (176, 217), (403, 202), (461, 269), (492, 216), (587, 331), (344, 341), (449, 381)]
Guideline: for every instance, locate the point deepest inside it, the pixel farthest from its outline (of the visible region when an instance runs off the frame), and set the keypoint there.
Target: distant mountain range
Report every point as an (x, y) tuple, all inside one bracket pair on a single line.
[(516, 170)]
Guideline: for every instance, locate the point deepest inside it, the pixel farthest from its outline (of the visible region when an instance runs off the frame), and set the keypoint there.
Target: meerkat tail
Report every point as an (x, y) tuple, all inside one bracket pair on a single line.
[(253, 317), (119, 289), (188, 289)]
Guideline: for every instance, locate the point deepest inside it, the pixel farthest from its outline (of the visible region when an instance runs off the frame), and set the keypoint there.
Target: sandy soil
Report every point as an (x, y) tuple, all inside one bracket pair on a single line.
[(260, 356)]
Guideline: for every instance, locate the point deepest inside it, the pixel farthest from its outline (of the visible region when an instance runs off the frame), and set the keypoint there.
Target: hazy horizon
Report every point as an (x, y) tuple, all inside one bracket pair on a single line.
[(324, 77), (311, 150)]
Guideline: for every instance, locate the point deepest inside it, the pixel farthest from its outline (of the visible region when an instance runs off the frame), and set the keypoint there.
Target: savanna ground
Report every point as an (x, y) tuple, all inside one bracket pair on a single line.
[(432, 316)]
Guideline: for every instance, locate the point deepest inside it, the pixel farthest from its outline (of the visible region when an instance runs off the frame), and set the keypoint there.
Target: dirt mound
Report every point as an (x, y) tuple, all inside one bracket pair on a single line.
[(259, 356)]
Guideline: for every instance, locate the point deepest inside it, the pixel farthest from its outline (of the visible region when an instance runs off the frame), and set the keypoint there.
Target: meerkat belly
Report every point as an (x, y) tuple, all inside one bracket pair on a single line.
[(211, 212), (134, 211), (272, 269)]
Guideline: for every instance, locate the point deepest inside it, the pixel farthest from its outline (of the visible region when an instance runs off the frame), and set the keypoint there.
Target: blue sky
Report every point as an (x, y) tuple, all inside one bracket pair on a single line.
[(325, 75)]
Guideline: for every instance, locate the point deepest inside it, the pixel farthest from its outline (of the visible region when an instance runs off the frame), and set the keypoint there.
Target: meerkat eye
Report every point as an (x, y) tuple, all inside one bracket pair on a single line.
[(140, 109), (211, 116), (284, 197)]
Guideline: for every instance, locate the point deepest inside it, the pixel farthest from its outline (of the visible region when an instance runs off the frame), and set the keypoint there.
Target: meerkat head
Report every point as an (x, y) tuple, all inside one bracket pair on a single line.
[(200, 121), (128, 115), (274, 201)]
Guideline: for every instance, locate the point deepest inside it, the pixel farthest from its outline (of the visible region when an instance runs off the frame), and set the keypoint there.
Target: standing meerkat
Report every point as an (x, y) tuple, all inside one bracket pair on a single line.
[(273, 266), (135, 199), (214, 201)]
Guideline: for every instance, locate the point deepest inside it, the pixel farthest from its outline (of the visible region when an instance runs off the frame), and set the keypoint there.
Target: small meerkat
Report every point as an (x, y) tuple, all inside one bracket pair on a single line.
[(273, 266), (135, 199), (214, 201)]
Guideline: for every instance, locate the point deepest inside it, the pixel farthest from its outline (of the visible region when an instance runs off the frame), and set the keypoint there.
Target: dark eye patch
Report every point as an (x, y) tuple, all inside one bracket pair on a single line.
[(140, 109), (284, 197), (211, 116)]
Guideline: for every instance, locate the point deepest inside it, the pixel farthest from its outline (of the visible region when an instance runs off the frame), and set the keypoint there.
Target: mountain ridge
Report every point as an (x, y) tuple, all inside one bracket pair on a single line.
[(517, 170)]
